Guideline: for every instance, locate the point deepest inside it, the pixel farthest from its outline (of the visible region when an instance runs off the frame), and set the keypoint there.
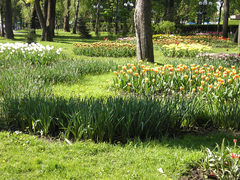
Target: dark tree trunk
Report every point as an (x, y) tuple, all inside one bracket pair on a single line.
[(8, 20), (171, 10), (53, 15), (97, 17), (76, 18), (239, 35), (66, 27), (225, 18), (219, 18), (142, 20), (46, 23), (41, 19), (116, 17), (14, 14), (49, 22), (1, 18), (33, 20)]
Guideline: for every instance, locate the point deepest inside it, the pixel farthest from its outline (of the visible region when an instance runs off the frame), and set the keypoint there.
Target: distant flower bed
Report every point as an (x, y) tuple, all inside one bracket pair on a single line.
[(35, 52), (205, 39), (127, 39), (228, 59), (184, 50), (105, 49)]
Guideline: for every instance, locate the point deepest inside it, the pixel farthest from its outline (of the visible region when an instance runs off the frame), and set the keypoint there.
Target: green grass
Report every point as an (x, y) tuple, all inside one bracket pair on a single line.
[(28, 157), (90, 85)]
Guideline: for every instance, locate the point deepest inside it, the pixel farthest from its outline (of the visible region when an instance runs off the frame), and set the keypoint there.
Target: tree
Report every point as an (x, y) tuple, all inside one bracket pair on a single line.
[(76, 18), (66, 26), (1, 18), (142, 20), (225, 18), (46, 18), (97, 17), (220, 15), (116, 17), (8, 20), (171, 10)]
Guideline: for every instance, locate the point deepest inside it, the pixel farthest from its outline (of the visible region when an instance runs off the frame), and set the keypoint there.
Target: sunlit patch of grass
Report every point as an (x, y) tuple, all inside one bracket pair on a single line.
[(90, 85), (28, 157)]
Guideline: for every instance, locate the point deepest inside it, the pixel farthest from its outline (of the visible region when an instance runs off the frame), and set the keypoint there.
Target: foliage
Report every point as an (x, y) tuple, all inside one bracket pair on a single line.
[(82, 29), (101, 119), (30, 36), (222, 162), (166, 27), (106, 49)]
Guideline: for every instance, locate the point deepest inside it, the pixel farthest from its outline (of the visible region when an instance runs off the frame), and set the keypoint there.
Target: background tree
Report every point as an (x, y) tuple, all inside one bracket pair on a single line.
[(142, 19), (1, 18), (66, 26), (97, 17), (225, 18), (8, 20), (76, 17), (45, 18)]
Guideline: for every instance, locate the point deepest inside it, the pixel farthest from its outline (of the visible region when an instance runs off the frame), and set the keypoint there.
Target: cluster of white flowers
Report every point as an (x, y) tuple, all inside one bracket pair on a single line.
[(27, 48)]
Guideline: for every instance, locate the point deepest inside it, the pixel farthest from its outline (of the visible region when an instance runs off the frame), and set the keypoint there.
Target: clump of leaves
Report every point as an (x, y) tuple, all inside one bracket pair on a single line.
[(30, 37), (82, 29), (222, 162)]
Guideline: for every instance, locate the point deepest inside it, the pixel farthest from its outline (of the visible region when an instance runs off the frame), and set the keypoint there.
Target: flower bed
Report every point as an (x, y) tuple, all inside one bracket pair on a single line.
[(217, 82), (184, 50), (106, 49)]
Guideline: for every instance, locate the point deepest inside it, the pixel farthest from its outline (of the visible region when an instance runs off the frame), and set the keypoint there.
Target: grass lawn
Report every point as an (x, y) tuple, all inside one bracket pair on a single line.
[(28, 156)]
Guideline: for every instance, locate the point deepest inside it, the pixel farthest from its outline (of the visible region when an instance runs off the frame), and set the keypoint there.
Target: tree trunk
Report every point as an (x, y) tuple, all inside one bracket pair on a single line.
[(1, 18), (142, 19), (33, 20), (116, 17), (8, 20), (97, 17), (171, 10), (53, 15), (49, 23), (219, 18), (225, 18), (76, 18), (239, 35), (66, 27), (46, 23), (235, 38), (41, 19)]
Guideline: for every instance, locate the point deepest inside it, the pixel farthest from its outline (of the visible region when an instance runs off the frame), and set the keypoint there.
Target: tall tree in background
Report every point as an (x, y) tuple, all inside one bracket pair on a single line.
[(220, 15), (46, 18), (76, 18), (97, 17), (171, 10), (225, 18), (8, 20), (1, 18), (142, 20), (66, 26), (116, 17)]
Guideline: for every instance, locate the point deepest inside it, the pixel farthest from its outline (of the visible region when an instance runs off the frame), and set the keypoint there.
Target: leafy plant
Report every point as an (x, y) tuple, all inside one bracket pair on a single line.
[(164, 27), (222, 162)]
